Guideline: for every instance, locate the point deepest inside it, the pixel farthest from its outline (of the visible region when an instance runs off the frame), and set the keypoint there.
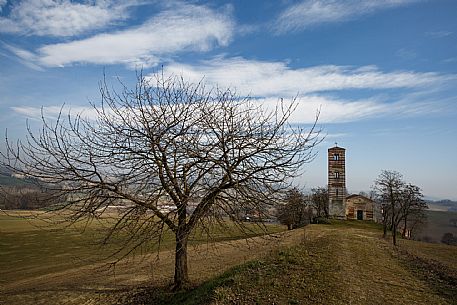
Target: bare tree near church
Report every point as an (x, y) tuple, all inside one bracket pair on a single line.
[(403, 206), (319, 201), (412, 209), (388, 187), (294, 211), (206, 153)]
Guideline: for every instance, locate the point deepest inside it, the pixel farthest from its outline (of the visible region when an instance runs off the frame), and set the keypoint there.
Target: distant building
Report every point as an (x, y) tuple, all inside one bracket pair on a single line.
[(342, 206), (359, 207), (337, 182)]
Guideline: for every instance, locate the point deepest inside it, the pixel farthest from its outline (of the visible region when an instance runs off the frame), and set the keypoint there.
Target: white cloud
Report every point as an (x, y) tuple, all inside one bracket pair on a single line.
[(438, 34), (334, 110), (268, 81), (2, 4), (277, 79), (331, 110), (62, 18), (52, 112), (182, 27), (310, 13), (27, 58), (406, 54)]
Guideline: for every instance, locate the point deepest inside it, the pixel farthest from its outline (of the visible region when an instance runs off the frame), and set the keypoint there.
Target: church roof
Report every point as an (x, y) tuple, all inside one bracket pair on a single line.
[(357, 195)]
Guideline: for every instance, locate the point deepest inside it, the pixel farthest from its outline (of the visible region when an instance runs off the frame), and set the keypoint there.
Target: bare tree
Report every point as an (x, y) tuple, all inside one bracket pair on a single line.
[(205, 153), (388, 187), (319, 201), (294, 211), (449, 239), (402, 203), (411, 209)]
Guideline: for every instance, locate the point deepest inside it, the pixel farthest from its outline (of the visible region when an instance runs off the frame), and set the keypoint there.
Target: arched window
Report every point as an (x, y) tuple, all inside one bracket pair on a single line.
[(336, 157), (337, 175)]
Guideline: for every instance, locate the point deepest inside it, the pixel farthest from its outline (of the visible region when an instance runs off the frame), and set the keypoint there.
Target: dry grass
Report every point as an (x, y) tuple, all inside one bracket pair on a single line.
[(342, 263), (51, 266)]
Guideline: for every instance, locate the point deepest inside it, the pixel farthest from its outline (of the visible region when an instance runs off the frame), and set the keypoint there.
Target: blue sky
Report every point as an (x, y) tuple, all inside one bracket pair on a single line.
[(383, 73)]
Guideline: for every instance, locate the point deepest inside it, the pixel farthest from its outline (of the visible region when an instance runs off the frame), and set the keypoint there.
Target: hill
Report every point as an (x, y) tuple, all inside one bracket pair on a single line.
[(7, 178), (345, 263), (438, 223), (342, 263), (442, 205)]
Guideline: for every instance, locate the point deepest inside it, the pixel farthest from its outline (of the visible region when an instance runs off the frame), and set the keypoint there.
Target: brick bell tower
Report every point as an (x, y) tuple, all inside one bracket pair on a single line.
[(337, 182)]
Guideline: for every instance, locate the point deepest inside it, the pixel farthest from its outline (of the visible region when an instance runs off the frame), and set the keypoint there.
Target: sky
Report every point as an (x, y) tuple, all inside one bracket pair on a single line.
[(382, 72)]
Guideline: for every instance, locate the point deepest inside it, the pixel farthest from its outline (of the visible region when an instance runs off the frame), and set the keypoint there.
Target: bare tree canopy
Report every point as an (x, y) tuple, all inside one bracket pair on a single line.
[(401, 203), (294, 211), (319, 200), (175, 155)]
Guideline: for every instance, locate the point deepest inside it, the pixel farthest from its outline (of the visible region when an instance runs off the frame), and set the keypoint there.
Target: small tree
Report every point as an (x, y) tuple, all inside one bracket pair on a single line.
[(401, 203), (449, 239), (319, 201), (411, 209), (206, 153), (294, 212), (388, 187)]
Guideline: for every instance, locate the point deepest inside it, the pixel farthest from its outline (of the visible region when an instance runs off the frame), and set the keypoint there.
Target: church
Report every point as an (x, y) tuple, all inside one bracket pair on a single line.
[(342, 205)]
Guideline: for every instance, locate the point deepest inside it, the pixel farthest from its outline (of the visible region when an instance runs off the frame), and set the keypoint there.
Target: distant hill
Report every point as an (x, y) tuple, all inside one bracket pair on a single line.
[(438, 223), (442, 205), (7, 178), (5, 171)]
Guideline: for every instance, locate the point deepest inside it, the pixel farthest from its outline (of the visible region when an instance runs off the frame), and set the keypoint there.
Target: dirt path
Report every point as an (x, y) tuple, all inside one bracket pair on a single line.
[(94, 285)]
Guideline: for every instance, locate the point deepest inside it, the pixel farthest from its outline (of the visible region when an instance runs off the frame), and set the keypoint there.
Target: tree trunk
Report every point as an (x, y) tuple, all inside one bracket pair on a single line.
[(384, 223), (394, 234), (181, 274), (403, 234)]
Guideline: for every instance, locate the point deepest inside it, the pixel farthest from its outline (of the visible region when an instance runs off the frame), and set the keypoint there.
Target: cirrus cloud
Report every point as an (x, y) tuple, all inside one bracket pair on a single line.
[(62, 18), (183, 27), (276, 78), (309, 13)]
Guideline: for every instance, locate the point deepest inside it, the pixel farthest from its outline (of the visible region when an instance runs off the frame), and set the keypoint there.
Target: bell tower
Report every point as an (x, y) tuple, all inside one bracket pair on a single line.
[(337, 182)]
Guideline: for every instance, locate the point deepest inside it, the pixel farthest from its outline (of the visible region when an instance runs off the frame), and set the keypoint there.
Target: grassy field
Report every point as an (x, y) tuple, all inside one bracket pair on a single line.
[(342, 263), (35, 253)]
